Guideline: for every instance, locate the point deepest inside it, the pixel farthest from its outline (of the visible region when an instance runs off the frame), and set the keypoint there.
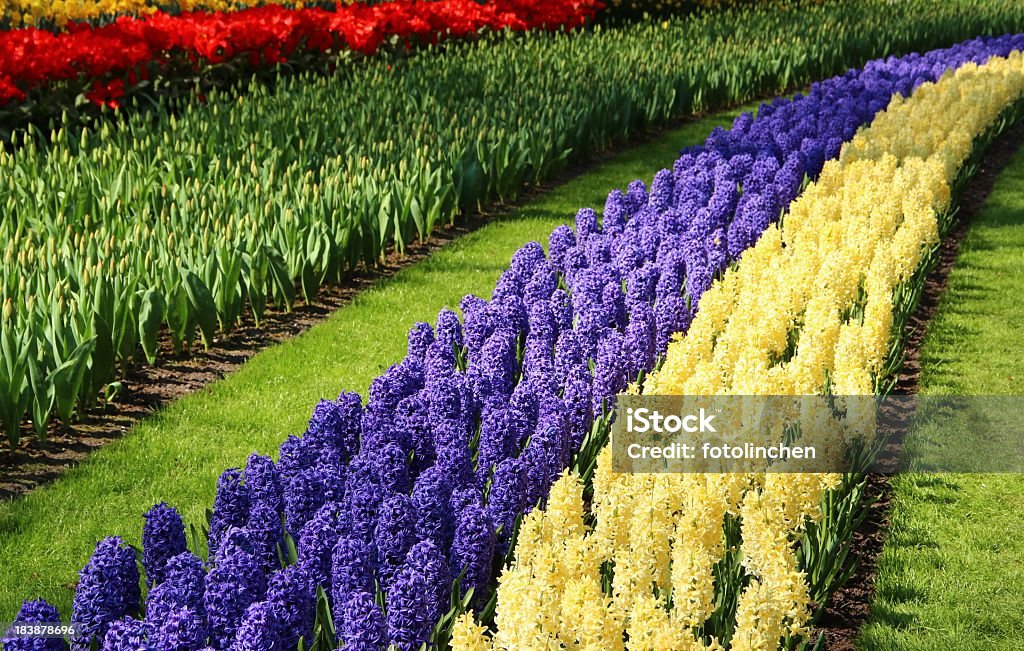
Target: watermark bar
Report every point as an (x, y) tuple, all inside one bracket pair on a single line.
[(835, 434), (39, 631)]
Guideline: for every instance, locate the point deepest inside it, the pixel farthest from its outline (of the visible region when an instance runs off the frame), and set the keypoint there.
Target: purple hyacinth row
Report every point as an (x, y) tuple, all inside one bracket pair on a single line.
[(398, 501)]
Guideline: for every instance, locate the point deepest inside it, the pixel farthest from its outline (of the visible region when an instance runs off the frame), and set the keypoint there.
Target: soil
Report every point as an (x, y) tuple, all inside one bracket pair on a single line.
[(849, 607), (148, 388)]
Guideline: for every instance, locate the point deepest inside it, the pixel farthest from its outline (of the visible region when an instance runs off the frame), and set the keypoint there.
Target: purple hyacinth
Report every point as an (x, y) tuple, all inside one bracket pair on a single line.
[(400, 382), (264, 482), (35, 612), (561, 240), (395, 534), (561, 309), (464, 497), (363, 497), (430, 496), (449, 329), (493, 373), (542, 284), (578, 398), (615, 214), (412, 418), (506, 499), (472, 549), (421, 335), (295, 455), (417, 597), (641, 284), (260, 629), (291, 593), (335, 425), (610, 370), (391, 469), (570, 352), (230, 507), (500, 432), (354, 567), (439, 364), (476, 322), (181, 629), (187, 575), (267, 534), (309, 490), (451, 403), (662, 190), (360, 623), (127, 634), (526, 259), (316, 543), (108, 590), (161, 601), (163, 537), (456, 461), (586, 224), (672, 317), (636, 196), (614, 302), (640, 345), (236, 581)]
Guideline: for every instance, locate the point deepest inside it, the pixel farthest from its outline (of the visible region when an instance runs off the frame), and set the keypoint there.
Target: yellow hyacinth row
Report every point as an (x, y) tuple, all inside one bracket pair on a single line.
[(827, 277), (61, 12)]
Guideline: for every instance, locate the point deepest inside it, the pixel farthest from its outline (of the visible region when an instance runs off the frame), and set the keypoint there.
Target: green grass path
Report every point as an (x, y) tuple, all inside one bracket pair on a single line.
[(177, 454), (951, 575)]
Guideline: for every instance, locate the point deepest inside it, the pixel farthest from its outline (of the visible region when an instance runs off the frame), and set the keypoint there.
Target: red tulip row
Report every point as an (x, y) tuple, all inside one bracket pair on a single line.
[(110, 55)]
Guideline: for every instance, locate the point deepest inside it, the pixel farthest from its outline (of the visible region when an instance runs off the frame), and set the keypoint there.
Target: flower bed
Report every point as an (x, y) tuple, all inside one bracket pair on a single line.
[(134, 48), (702, 561), (413, 500)]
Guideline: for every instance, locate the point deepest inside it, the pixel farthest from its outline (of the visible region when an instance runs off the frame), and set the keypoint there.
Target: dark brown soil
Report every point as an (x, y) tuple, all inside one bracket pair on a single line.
[(850, 606), (147, 388)]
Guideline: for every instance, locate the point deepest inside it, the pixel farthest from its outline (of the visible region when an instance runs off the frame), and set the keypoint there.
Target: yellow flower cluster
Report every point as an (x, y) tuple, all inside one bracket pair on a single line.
[(61, 12), (825, 278)]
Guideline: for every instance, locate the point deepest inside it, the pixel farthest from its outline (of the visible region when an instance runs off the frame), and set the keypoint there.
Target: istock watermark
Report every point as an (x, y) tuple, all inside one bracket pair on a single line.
[(834, 434), (644, 420)]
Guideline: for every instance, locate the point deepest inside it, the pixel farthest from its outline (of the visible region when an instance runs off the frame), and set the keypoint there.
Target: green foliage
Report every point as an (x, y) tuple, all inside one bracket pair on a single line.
[(193, 215)]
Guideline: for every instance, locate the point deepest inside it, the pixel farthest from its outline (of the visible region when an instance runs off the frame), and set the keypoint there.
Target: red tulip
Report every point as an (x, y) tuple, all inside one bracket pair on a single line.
[(32, 58)]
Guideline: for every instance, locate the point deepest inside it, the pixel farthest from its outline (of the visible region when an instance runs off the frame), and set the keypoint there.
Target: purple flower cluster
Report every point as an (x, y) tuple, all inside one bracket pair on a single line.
[(35, 612), (393, 504), (108, 590)]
